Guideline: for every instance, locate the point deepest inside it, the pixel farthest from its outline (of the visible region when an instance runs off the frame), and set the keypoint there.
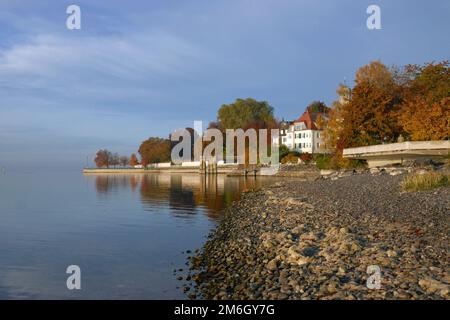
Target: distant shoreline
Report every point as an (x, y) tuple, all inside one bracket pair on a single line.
[(159, 170)]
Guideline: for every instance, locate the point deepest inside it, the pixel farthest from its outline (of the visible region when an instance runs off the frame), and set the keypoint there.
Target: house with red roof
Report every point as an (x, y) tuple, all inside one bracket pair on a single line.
[(303, 135)]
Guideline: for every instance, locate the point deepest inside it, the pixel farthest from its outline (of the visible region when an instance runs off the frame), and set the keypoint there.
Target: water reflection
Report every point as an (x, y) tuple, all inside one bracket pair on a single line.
[(126, 232), (182, 193)]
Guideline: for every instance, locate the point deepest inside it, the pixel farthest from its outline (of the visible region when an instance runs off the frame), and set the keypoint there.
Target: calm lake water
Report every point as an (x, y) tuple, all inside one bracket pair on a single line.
[(125, 232)]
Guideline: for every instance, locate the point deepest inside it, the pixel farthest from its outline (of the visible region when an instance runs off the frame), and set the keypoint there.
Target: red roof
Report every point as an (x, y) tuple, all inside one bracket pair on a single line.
[(310, 118)]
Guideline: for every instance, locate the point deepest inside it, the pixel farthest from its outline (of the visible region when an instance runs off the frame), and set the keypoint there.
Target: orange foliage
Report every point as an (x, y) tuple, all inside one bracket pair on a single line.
[(424, 121)]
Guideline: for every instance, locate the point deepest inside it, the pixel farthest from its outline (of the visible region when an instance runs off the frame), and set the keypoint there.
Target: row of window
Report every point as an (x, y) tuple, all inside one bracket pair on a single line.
[(302, 135), (304, 145), (306, 135)]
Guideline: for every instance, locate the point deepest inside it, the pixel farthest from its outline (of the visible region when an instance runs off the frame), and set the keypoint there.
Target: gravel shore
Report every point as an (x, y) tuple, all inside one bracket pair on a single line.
[(316, 240)]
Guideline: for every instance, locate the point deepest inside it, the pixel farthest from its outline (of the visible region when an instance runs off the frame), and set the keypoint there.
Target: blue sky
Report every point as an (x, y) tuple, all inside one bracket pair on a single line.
[(143, 68)]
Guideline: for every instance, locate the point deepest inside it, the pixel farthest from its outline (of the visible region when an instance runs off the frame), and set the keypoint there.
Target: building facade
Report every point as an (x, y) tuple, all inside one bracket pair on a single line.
[(303, 135)]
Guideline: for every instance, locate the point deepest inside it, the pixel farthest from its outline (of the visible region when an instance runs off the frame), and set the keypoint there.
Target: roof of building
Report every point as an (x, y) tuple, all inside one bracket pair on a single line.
[(309, 117)]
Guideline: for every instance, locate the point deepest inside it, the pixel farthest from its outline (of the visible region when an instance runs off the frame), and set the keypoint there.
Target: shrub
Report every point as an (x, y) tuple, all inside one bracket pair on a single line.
[(306, 157), (283, 151), (323, 161), (423, 182), (291, 157), (336, 161)]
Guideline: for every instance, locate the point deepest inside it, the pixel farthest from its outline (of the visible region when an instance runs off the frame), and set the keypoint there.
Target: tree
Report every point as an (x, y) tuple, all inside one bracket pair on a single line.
[(425, 113), (366, 114), (317, 106), (423, 120), (115, 159), (333, 127), (103, 158), (124, 161), (370, 114), (133, 160), (243, 112), (246, 114), (155, 150)]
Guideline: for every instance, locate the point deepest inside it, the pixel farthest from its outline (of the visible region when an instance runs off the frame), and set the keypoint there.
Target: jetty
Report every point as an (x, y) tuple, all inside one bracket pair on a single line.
[(398, 153)]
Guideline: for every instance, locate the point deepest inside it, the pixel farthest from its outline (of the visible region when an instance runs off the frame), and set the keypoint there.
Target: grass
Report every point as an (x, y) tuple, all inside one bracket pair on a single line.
[(424, 182)]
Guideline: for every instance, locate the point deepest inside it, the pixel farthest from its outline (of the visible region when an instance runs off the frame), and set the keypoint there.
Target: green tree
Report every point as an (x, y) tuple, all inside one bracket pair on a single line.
[(317, 106), (244, 112)]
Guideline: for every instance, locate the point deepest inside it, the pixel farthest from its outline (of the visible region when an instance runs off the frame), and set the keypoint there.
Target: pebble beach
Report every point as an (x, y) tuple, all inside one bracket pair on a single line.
[(317, 239)]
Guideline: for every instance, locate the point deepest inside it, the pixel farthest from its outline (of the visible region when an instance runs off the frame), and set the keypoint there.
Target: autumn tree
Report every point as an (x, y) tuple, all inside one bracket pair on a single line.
[(366, 114), (333, 126), (133, 160), (103, 158), (155, 150), (370, 114), (425, 112)]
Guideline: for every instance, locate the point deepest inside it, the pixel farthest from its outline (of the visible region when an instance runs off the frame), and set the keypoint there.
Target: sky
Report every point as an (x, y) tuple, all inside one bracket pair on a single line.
[(137, 69)]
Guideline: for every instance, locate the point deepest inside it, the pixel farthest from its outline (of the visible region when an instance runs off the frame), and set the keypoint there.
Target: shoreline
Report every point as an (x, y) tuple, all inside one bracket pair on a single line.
[(304, 172), (159, 170), (316, 239)]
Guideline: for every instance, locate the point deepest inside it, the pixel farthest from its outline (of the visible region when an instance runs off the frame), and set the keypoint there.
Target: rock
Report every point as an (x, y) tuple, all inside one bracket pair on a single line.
[(431, 286), (272, 265), (396, 172), (302, 261), (327, 172), (391, 253), (310, 251), (316, 240)]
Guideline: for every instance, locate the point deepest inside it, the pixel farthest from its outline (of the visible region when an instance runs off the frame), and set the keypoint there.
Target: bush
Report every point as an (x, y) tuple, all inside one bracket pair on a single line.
[(283, 151), (291, 157), (336, 161), (306, 157), (423, 182), (323, 161)]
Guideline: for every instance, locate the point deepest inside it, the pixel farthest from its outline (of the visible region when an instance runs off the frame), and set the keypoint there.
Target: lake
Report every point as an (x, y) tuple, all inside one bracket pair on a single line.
[(125, 232)]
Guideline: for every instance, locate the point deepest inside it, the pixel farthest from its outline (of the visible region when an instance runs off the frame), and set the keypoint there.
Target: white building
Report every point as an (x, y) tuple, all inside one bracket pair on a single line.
[(303, 134)]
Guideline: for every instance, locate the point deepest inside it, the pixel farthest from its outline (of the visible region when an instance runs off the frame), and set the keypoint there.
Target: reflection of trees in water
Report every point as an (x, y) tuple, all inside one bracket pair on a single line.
[(182, 193), (181, 197), (111, 183)]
